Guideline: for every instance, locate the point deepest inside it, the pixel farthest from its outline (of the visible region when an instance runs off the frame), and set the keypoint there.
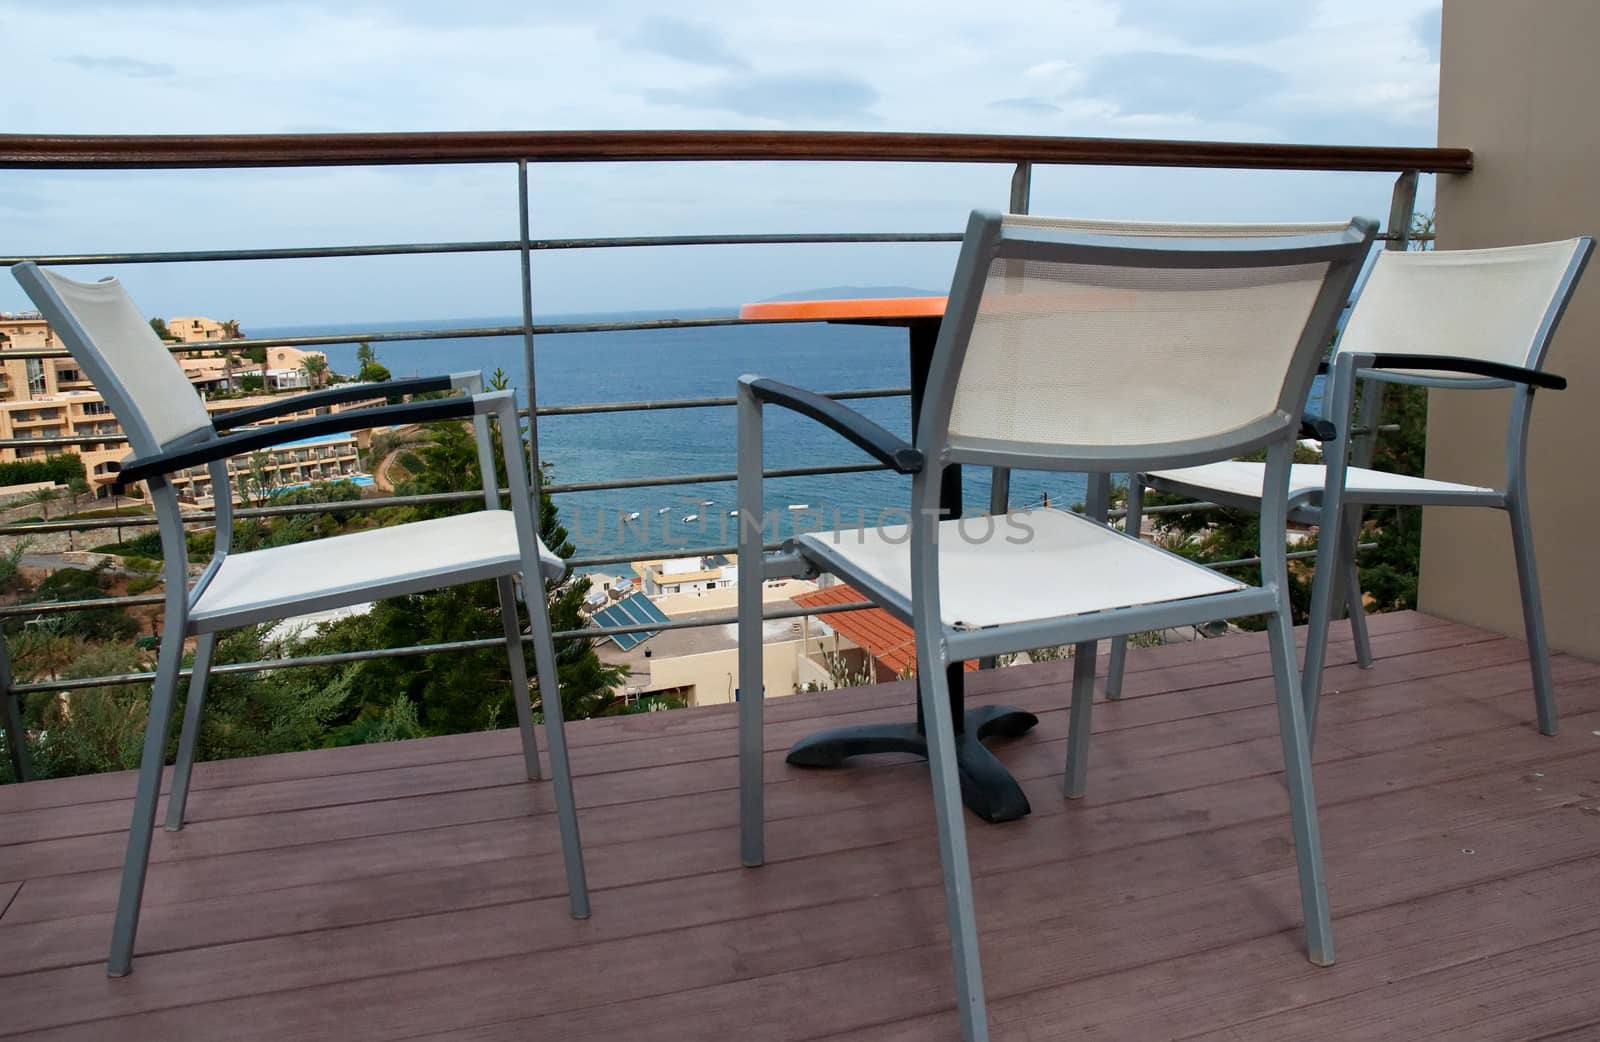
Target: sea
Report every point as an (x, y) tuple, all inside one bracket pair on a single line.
[(678, 520)]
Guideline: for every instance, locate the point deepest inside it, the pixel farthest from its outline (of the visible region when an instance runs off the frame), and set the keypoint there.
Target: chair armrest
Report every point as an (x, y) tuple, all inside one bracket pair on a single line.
[(1473, 367), (878, 443), (1316, 428), (186, 456), (391, 389)]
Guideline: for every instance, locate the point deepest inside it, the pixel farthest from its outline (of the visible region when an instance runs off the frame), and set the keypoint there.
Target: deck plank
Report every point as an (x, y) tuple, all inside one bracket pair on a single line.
[(1394, 633), (415, 890), (1224, 685), (1194, 739)]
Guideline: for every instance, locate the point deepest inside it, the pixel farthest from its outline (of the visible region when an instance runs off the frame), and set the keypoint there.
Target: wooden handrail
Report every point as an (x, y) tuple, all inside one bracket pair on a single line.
[(158, 151)]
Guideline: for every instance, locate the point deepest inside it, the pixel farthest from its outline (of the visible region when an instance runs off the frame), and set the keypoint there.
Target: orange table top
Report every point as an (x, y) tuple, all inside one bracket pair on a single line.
[(878, 308)]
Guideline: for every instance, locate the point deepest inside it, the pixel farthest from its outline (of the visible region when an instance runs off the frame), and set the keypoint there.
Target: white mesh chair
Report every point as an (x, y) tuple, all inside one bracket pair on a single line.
[(1074, 352), (1459, 319), (169, 431)]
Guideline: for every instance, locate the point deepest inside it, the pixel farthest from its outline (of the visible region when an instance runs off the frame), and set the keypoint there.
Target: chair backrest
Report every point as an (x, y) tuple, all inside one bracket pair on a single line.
[(1495, 305), (141, 381), (1083, 351)]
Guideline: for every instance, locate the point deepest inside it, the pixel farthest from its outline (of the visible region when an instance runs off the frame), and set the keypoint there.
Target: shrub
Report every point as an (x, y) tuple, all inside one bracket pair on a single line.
[(61, 470)]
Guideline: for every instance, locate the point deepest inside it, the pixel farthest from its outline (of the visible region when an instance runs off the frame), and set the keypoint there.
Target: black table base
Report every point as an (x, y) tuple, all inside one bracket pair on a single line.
[(987, 788)]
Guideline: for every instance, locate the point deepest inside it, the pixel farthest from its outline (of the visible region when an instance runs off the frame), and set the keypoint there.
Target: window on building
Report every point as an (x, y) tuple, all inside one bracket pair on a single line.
[(36, 384)]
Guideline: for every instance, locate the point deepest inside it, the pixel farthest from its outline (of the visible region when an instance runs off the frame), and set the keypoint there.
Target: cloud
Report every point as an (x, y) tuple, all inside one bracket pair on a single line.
[(1046, 70), (1031, 106), (121, 65), (1152, 83), (1427, 29), (808, 97), (1219, 22), (684, 41)]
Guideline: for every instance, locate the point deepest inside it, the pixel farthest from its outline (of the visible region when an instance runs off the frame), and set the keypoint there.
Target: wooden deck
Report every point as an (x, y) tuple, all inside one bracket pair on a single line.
[(414, 890)]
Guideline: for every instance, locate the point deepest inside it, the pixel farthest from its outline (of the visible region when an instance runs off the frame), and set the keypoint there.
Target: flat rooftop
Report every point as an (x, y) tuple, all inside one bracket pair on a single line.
[(414, 890)]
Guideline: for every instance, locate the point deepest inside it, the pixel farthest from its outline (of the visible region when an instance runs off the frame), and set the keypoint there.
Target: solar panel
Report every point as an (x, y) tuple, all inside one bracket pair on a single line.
[(632, 610)]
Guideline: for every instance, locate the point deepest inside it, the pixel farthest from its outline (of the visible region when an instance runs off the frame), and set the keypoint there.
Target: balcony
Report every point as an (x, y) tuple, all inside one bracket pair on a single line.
[(1463, 855), (1462, 848)]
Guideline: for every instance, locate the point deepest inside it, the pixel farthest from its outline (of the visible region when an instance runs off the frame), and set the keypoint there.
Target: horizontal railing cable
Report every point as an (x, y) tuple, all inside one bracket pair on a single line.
[(575, 409), (338, 658), (402, 249)]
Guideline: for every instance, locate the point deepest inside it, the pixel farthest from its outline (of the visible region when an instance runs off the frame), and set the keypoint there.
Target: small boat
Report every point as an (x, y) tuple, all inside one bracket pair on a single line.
[(799, 506), (685, 519), (631, 517), (731, 513), (708, 502), (663, 510)]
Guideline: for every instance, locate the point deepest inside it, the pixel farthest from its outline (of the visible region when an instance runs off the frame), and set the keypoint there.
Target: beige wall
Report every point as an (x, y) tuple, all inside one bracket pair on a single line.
[(713, 674), (1518, 85)]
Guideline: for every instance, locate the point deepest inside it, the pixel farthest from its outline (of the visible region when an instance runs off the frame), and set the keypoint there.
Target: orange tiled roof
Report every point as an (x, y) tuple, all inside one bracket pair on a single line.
[(884, 637)]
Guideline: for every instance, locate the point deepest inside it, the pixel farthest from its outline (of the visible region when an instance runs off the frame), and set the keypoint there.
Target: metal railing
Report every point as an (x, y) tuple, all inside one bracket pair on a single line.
[(222, 151)]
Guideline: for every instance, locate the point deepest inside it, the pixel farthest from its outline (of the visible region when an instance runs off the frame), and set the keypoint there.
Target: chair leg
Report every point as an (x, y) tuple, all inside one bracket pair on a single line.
[(544, 657), (1302, 795), (1354, 605), (193, 706), (1119, 645), (947, 807), (752, 667), (137, 861), (1544, 698), (1076, 778), (1325, 587), (519, 675)]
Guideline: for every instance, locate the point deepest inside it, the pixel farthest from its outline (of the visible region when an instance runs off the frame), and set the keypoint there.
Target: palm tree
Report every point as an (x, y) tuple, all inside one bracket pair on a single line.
[(77, 488), (44, 497), (230, 329), (316, 367)]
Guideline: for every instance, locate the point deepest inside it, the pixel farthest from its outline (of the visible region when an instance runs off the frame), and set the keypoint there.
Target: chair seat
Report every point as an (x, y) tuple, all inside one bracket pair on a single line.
[(347, 569), (1040, 564), (1306, 480)]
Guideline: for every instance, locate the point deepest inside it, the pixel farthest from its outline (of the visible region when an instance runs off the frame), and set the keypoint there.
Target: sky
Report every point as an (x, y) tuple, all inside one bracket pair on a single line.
[(1333, 72)]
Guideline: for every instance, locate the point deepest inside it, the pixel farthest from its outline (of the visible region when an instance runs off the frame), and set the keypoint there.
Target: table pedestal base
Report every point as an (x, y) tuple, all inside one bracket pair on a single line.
[(987, 788)]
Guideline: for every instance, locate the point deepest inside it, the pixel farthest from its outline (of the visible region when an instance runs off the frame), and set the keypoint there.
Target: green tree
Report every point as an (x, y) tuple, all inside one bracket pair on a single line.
[(370, 370), (465, 691), (78, 584), (160, 326), (43, 497), (77, 488), (316, 369), (11, 564), (280, 710), (93, 729)]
